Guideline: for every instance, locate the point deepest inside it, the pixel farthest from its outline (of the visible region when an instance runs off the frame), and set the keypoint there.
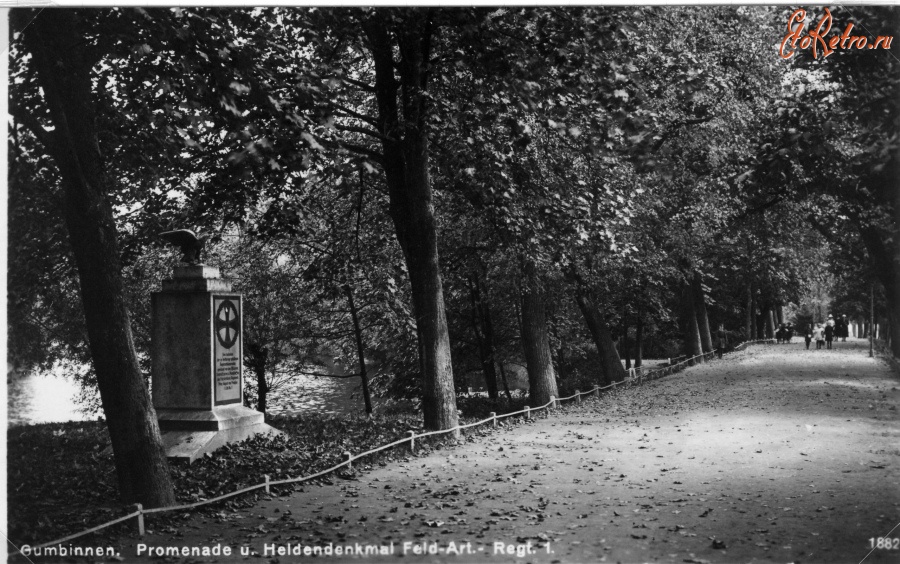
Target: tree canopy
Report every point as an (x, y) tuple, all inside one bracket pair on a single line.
[(443, 192)]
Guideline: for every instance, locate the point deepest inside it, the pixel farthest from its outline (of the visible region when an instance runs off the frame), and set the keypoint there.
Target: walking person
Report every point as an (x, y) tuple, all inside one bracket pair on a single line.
[(845, 328), (808, 335), (721, 339), (829, 335), (819, 336)]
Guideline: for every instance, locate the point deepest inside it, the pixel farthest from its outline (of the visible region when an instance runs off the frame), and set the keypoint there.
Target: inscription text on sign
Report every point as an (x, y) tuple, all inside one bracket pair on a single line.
[(227, 363)]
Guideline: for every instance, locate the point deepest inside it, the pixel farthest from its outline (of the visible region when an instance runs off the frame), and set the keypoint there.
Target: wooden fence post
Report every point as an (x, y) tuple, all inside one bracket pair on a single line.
[(527, 412), (412, 441), (266, 476), (494, 418), (140, 518)]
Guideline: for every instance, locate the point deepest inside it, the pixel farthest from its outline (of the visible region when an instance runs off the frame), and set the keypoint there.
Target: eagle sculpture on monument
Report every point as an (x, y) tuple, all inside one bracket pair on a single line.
[(187, 241)]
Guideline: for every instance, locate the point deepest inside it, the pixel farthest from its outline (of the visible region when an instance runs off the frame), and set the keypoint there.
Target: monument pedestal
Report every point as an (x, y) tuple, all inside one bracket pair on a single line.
[(197, 377)]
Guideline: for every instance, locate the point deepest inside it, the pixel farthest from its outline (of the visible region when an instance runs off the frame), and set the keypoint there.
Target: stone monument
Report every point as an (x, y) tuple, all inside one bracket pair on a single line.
[(197, 376)]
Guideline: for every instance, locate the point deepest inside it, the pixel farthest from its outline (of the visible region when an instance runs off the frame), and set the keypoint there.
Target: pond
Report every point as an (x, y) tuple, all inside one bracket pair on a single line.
[(52, 397), (42, 397)]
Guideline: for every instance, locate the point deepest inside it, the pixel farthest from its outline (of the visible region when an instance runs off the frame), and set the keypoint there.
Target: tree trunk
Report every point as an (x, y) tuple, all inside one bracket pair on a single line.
[(64, 68), (610, 364), (754, 322), (484, 333), (883, 246), (406, 153), (748, 321), (692, 343), (505, 381), (779, 314), (262, 389), (360, 349), (258, 358), (700, 313), (639, 340), (770, 323), (536, 341), (560, 362), (624, 348)]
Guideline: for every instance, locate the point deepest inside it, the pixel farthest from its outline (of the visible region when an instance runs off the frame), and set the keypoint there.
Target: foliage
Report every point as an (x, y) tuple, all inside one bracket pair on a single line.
[(604, 142)]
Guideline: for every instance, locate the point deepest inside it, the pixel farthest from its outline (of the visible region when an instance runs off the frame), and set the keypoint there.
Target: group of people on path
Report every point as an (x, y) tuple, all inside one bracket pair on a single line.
[(825, 333), (785, 333)]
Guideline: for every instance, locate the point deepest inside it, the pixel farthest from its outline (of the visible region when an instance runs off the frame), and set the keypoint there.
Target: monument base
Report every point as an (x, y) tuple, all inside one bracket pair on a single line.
[(188, 434)]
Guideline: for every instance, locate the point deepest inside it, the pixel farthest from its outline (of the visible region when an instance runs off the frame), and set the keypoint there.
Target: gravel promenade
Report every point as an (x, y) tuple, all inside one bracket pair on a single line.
[(774, 454)]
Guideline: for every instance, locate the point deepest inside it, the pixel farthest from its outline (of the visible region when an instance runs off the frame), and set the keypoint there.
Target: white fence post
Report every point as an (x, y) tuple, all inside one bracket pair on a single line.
[(527, 412), (266, 476), (494, 418), (412, 441), (140, 518)]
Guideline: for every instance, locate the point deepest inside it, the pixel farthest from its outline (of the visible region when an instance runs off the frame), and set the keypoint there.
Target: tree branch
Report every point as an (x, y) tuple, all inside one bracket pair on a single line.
[(352, 113), (360, 84), (365, 131), (324, 375), (374, 155)]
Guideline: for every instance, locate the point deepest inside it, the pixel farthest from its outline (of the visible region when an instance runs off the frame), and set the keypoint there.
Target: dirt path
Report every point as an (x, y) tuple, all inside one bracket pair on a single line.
[(773, 454)]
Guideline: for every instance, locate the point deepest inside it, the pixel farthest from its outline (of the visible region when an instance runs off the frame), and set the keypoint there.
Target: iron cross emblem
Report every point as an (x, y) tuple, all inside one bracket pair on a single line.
[(228, 324)]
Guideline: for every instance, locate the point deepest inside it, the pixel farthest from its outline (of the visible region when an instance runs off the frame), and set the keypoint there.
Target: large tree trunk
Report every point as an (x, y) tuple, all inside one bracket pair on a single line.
[(700, 312), (770, 324), (536, 340), (483, 327), (610, 364), (405, 146), (360, 349), (64, 69), (692, 344)]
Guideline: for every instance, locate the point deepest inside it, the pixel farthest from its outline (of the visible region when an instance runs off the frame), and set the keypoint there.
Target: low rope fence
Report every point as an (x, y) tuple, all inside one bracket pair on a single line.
[(635, 376)]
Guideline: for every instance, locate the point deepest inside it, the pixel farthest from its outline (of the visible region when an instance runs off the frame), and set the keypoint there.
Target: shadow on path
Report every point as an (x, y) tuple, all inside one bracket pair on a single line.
[(772, 454)]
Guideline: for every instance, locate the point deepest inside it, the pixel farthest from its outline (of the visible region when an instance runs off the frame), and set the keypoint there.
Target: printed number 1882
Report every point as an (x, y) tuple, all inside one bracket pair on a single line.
[(884, 543)]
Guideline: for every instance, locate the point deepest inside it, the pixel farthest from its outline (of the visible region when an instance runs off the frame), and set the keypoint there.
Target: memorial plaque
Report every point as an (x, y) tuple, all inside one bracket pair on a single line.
[(227, 358)]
